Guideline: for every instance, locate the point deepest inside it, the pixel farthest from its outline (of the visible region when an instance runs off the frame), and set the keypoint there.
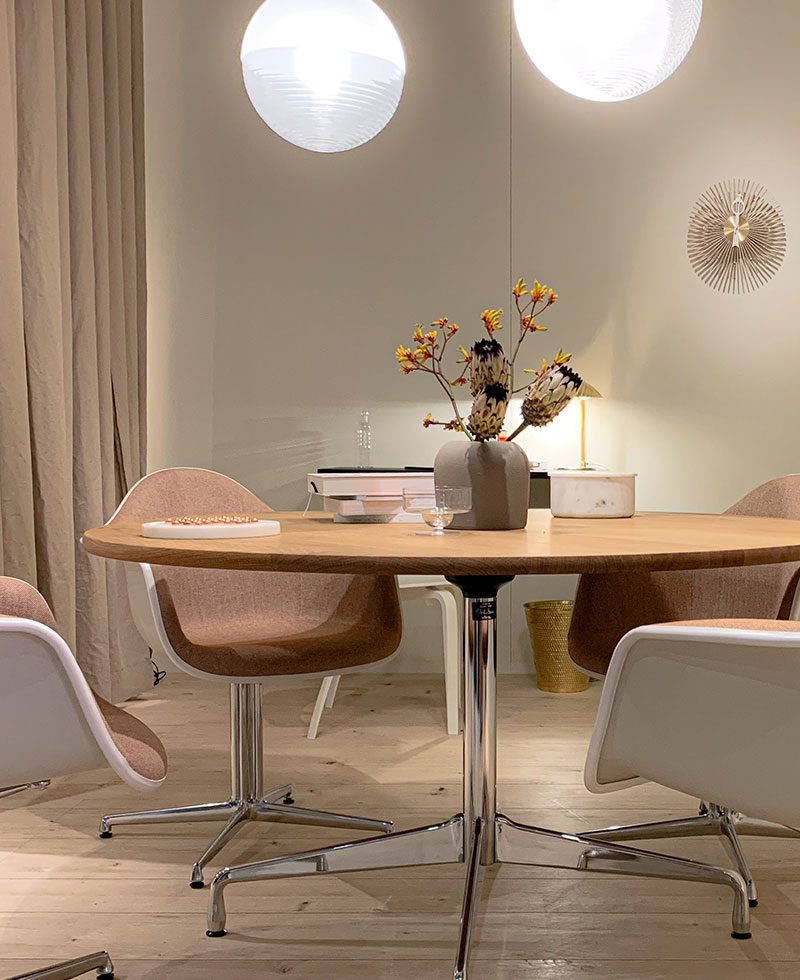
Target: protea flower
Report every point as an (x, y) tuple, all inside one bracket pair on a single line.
[(489, 366), (488, 412), (549, 394)]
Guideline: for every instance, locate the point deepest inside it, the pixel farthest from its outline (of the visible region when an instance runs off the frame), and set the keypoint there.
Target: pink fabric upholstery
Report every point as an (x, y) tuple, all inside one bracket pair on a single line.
[(769, 625), (608, 606), (139, 745), (261, 624)]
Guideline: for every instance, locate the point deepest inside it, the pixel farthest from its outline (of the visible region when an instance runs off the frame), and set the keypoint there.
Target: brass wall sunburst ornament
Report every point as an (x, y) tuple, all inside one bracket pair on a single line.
[(737, 238)]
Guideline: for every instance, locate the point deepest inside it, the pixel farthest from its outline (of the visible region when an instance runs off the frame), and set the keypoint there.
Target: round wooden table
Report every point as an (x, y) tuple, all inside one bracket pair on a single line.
[(479, 563)]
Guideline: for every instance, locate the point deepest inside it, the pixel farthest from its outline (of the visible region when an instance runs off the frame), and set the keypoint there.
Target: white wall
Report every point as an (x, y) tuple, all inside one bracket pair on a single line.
[(282, 280)]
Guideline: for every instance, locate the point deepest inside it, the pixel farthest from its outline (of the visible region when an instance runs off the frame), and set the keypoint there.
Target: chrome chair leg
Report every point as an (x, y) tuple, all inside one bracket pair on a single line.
[(703, 825), (441, 843), (248, 800), (177, 814), (235, 823), (520, 844), (469, 907), (280, 813), (751, 827), (733, 845), (13, 790), (100, 962)]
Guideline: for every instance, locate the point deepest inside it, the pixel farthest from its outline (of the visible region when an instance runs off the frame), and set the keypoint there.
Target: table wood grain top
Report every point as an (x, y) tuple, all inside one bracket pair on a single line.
[(548, 545)]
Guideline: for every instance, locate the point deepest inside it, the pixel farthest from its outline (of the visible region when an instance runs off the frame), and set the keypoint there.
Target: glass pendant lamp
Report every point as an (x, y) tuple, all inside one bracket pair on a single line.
[(326, 75), (607, 50)]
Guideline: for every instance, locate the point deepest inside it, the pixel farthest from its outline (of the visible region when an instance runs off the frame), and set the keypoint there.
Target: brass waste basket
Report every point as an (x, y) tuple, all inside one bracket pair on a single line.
[(548, 625)]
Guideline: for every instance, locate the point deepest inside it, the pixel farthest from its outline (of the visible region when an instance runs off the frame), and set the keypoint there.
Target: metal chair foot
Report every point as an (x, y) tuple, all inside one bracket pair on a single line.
[(100, 962)]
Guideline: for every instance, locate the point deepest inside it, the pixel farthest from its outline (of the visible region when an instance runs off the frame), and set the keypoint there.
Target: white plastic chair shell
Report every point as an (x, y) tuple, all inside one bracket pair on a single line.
[(50, 724), (711, 712), (435, 589)]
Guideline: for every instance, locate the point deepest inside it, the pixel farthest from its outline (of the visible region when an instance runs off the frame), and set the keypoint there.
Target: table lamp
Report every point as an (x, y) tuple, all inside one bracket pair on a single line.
[(586, 391)]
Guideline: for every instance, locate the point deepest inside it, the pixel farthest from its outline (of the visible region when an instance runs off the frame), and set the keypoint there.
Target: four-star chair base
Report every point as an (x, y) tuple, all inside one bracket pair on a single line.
[(712, 821), (248, 800), (480, 836), (99, 962)]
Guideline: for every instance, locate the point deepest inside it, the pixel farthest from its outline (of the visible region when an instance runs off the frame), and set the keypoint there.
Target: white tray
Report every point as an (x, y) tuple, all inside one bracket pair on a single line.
[(163, 529)]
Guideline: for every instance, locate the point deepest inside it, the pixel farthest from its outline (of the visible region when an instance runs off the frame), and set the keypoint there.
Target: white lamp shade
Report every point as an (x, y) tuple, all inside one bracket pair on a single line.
[(607, 50), (326, 75)]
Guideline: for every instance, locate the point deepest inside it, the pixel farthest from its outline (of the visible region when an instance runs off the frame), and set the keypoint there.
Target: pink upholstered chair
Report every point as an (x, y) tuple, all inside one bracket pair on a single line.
[(51, 724), (607, 607), (245, 628)]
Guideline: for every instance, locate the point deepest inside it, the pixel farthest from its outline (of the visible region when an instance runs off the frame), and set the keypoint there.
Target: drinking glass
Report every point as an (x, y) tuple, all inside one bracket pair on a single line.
[(438, 507)]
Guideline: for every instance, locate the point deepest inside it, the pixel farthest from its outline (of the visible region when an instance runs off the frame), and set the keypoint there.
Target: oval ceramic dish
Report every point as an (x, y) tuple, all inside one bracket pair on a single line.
[(165, 529)]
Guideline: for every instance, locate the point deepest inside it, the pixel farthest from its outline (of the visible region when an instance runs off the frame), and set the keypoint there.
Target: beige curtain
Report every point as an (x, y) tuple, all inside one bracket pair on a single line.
[(72, 311)]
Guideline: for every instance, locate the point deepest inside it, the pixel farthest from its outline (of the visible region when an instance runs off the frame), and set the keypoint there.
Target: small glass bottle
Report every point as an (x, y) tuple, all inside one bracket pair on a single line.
[(364, 442)]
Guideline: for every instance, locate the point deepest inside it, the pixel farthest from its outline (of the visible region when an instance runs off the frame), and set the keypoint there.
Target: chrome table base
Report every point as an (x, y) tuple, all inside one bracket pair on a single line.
[(248, 800), (479, 836), (99, 962)]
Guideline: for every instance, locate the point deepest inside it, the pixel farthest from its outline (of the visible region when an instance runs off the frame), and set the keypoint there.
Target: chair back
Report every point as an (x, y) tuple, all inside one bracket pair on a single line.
[(50, 723), (609, 606), (710, 712)]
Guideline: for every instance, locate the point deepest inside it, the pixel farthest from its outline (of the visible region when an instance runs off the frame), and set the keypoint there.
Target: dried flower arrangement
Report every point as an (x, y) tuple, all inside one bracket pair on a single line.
[(490, 373)]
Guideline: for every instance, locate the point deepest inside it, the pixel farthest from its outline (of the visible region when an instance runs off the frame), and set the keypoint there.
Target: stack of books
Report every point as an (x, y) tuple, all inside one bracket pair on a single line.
[(369, 495)]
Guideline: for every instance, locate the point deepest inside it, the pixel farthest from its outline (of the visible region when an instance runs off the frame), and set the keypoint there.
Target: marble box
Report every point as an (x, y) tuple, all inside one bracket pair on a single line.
[(592, 493)]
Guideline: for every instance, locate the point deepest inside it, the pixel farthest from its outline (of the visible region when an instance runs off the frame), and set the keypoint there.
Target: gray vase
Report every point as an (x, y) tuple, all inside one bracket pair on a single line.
[(498, 474)]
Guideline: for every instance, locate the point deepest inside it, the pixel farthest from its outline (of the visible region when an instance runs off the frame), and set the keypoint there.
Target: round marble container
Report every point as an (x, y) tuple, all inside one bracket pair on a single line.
[(592, 493)]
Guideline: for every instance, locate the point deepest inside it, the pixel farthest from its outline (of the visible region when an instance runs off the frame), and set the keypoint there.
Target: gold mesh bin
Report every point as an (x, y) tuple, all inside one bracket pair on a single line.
[(548, 625)]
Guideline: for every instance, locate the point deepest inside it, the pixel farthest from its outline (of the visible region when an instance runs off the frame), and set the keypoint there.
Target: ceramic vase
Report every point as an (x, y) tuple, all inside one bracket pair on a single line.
[(498, 473)]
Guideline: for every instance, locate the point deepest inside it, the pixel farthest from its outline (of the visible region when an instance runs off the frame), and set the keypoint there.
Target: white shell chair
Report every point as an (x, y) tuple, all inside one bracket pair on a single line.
[(707, 708), (435, 590), (51, 724)]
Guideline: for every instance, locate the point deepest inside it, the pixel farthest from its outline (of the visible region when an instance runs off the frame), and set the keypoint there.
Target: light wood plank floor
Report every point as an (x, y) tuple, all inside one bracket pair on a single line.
[(382, 751)]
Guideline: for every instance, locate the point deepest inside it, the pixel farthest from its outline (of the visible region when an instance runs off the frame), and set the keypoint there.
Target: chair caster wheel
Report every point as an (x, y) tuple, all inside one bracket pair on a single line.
[(741, 935), (753, 902), (288, 800), (197, 884), (217, 934), (105, 836)]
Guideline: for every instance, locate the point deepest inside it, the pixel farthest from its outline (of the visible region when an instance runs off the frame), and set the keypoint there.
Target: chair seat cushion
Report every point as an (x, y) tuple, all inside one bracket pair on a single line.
[(770, 625), (140, 746), (321, 649), (260, 625)]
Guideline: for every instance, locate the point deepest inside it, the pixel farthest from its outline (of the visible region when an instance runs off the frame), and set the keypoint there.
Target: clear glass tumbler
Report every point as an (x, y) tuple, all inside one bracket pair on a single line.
[(438, 507)]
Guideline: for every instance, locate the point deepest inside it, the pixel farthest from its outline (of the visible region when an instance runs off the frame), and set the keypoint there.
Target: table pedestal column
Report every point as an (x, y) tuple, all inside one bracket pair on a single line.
[(480, 745)]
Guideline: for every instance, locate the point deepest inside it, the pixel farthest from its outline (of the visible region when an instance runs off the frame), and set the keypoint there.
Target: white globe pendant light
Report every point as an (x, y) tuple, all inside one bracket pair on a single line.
[(607, 50), (326, 75)]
